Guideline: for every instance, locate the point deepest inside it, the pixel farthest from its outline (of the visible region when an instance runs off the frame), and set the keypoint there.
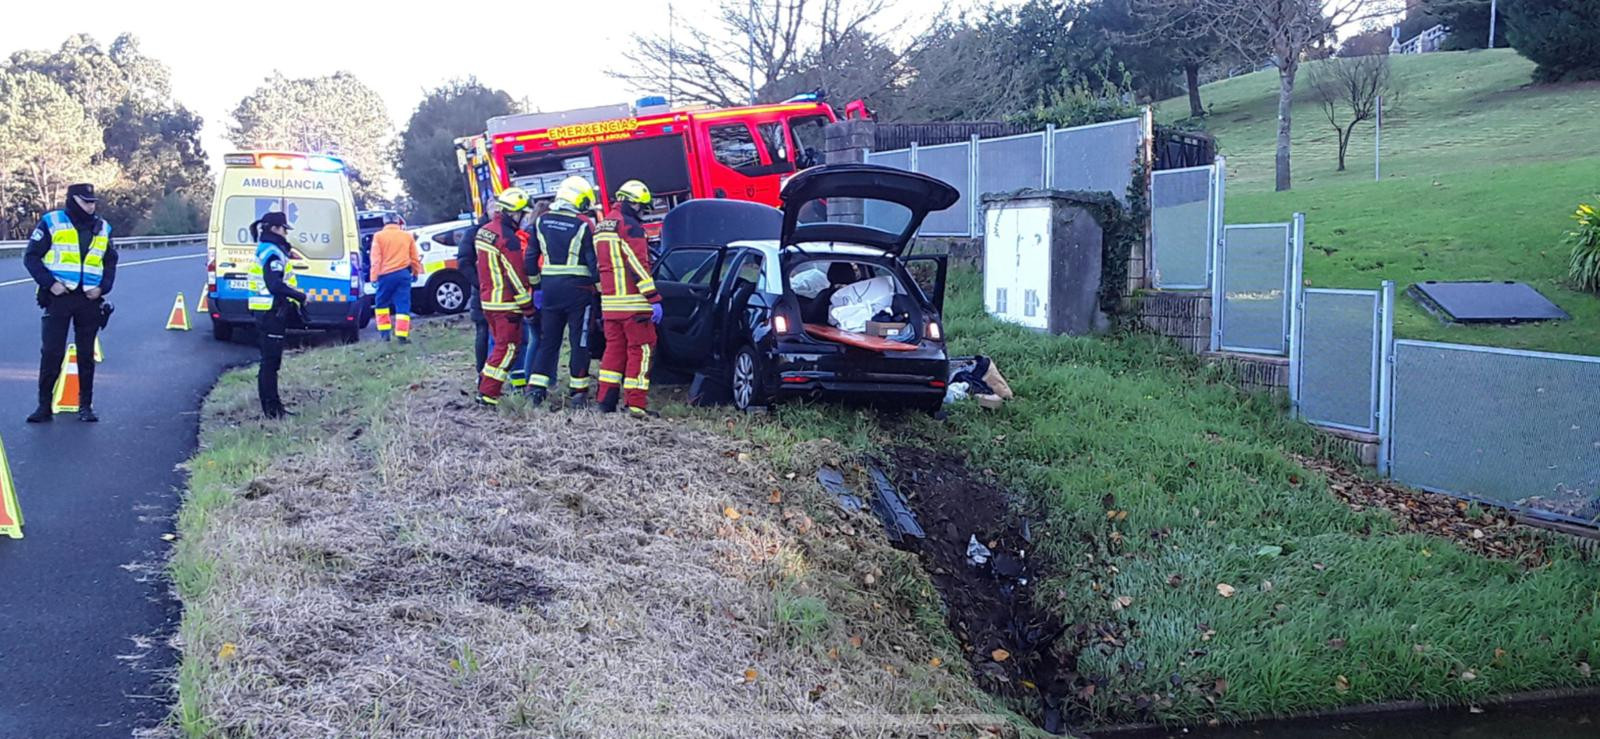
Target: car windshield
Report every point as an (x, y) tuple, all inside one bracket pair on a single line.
[(882, 215)]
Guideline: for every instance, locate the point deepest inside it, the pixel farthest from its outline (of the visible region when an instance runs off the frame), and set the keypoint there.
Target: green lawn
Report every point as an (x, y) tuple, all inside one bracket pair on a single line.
[(1342, 608), (1481, 174)]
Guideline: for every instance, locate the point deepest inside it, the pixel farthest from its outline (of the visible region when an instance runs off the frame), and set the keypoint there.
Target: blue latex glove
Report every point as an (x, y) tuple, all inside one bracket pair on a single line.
[(538, 300), (655, 312)]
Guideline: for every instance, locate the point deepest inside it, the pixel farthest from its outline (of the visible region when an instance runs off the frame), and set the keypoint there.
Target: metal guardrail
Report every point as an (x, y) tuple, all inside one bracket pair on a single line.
[(15, 248)]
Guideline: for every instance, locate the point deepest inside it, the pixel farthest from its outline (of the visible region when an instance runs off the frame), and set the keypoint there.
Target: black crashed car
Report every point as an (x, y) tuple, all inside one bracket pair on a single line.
[(817, 299)]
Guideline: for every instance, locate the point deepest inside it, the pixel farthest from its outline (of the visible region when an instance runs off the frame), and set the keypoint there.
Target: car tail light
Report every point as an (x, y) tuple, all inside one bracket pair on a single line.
[(780, 323), (935, 331), (936, 383)]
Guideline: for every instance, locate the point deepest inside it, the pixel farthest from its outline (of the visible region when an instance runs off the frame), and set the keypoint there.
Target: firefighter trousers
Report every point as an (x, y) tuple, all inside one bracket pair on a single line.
[(505, 330), (630, 349), (573, 318)]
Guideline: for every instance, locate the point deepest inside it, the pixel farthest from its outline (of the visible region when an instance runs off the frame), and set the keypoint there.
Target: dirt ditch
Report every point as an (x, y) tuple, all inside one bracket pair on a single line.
[(978, 552)]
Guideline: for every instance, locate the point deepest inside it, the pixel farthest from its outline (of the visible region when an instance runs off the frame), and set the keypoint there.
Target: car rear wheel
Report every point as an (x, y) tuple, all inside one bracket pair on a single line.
[(446, 293), (744, 376)]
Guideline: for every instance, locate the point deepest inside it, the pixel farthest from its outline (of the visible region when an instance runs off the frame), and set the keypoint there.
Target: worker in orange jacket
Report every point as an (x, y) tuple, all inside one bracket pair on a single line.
[(395, 263), (503, 290), (629, 304)]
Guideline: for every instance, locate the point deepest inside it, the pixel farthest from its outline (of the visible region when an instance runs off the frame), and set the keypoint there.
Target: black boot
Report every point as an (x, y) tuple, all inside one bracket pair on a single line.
[(608, 402), (86, 415), (43, 414), (578, 401), (537, 396)]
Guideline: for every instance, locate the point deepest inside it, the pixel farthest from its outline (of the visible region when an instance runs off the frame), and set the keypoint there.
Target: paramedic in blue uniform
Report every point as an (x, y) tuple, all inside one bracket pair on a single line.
[(71, 256)]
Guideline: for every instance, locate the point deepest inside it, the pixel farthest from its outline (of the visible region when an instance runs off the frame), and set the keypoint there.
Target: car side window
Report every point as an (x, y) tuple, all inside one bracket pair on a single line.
[(447, 238), (734, 147), (754, 270), (689, 266)]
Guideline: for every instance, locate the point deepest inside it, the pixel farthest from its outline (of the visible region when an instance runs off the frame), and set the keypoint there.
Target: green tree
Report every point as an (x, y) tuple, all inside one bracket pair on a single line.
[(1468, 21), (47, 141), (426, 156), (1561, 36), (153, 141), (336, 114), (176, 213)]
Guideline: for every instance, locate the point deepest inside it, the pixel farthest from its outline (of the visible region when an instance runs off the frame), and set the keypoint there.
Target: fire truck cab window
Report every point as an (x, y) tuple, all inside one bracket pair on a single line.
[(808, 139), (777, 145), (734, 147)]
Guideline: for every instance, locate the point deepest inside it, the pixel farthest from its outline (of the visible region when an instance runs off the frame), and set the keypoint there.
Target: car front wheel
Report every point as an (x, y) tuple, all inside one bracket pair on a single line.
[(745, 380)]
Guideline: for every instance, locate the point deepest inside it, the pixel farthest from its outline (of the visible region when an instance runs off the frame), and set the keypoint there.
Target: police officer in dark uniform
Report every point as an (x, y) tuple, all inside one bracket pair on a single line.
[(567, 296), (467, 263), (71, 256), (276, 302)]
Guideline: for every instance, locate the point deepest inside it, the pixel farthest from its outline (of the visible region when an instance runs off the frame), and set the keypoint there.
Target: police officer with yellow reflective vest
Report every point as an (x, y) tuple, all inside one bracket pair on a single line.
[(566, 284), (276, 302), (71, 256)]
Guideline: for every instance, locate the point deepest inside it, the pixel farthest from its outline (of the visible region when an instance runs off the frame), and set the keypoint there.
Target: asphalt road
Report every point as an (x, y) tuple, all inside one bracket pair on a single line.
[(86, 613)]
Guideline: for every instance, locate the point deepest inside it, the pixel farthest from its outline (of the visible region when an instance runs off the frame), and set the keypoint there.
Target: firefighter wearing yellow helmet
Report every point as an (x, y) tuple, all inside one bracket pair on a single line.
[(565, 283), (629, 304)]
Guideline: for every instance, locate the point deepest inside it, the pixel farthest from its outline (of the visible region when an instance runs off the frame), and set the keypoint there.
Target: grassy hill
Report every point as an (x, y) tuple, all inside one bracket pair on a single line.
[(1481, 173)]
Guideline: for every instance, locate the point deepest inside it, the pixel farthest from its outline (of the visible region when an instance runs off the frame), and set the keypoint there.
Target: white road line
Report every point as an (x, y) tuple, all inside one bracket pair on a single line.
[(120, 265)]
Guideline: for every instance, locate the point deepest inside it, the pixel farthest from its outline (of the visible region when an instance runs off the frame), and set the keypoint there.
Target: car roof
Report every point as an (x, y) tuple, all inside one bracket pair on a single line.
[(814, 248), (433, 228)]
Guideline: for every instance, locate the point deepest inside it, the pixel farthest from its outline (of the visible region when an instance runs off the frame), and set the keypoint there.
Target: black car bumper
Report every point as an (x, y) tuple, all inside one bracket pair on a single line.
[(832, 370), (322, 315)]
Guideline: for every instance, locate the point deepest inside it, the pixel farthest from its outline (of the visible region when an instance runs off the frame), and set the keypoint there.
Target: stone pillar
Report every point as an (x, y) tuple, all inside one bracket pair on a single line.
[(847, 142)]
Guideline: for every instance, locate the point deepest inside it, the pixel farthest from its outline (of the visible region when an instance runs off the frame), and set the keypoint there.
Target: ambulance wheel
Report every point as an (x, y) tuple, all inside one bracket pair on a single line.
[(446, 293), (349, 335), (221, 330)]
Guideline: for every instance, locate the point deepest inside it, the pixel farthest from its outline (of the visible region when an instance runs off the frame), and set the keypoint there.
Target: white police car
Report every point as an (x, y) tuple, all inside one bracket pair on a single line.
[(441, 288)]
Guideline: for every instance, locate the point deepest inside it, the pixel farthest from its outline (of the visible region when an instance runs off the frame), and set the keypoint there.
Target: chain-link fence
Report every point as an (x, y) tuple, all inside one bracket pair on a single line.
[(1256, 266), (1515, 428), (1336, 359), (1099, 157), (1184, 226)]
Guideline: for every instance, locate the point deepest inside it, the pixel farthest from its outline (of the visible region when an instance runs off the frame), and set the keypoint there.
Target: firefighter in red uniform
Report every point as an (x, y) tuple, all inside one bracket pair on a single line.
[(503, 290), (628, 301)]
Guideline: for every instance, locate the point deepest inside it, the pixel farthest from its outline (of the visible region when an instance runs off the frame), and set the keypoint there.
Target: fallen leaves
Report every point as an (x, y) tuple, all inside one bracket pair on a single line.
[(1336, 644), (731, 513), (750, 675), (855, 641), (1468, 676), (1000, 655), (1584, 669), (1341, 684), (228, 650), (1225, 590), (1122, 601), (775, 497), (935, 662), (1174, 580)]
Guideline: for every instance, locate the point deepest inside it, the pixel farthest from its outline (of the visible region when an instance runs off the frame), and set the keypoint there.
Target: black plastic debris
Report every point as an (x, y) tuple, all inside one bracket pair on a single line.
[(892, 508), (833, 482), (977, 554)]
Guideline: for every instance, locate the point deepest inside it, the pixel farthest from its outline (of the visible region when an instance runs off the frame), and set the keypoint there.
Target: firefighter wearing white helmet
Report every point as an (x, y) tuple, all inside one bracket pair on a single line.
[(565, 280), (628, 301)]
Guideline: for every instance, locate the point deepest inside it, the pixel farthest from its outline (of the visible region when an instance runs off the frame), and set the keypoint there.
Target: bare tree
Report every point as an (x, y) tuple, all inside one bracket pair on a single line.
[(758, 49), (1348, 89), (1281, 32)]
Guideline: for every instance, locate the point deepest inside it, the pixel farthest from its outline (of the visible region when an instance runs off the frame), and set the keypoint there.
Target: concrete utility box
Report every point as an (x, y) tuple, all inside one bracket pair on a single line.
[(1041, 262)]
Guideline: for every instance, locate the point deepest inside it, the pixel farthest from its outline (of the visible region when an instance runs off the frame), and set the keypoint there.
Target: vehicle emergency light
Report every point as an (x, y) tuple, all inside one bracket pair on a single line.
[(239, 160)]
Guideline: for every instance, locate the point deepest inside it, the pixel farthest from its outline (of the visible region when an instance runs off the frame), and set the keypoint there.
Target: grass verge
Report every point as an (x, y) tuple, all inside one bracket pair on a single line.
[(1160, 484), (394, 561)]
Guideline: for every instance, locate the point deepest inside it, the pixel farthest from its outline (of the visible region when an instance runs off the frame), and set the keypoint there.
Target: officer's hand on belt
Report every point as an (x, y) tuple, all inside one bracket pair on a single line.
[(58, 289)]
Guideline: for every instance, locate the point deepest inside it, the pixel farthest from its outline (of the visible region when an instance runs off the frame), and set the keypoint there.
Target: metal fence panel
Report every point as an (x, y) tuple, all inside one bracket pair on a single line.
[(1254, 286), (1010, 164), (1513, 427), (899, 158), (1338, 349), (950, 163), (1181, 225), (1097, 157)]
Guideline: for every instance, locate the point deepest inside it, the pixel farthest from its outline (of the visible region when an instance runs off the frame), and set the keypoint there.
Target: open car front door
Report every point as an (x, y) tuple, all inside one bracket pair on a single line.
[(688, 275)]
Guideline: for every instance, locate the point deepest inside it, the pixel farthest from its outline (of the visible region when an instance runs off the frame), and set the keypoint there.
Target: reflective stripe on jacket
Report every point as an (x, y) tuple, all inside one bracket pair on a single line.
[(261, 297), (73, 265), (566, 241), (502, 284), (623, 257)]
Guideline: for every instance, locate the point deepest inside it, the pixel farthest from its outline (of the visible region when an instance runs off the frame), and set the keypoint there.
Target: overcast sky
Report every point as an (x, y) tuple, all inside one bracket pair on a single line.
[(218, 53)]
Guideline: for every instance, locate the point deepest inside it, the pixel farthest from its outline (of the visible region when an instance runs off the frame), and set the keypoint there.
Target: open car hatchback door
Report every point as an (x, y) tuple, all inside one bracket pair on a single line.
[(871, 205), (690, 271)]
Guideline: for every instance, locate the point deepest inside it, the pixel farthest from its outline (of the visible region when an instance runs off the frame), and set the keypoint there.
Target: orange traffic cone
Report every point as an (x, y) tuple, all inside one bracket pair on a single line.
[(201, 306), (178, 320), (66, 397), (10, 511)]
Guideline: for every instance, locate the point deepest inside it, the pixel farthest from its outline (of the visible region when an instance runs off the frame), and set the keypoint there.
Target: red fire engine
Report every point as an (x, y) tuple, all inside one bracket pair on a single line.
[(738, 153)]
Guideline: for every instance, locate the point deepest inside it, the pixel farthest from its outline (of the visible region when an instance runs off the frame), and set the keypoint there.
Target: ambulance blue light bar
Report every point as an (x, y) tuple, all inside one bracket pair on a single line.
[(319, 163)]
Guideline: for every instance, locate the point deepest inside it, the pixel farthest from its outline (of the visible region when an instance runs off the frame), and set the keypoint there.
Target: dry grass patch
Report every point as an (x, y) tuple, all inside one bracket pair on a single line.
[(409, 564)]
